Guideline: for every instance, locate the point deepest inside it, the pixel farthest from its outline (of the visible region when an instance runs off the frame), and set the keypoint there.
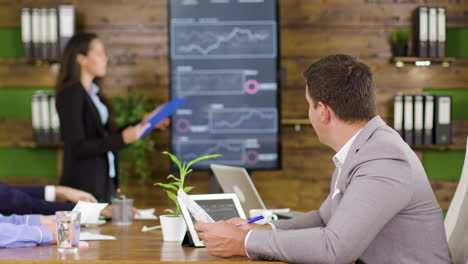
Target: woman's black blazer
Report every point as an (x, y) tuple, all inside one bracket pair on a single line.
[(86, 143)]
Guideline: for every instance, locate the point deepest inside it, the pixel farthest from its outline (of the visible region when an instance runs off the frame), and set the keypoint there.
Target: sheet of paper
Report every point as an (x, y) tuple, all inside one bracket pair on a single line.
[(145, 214), (86, 236), (197, 212), (89, 211)]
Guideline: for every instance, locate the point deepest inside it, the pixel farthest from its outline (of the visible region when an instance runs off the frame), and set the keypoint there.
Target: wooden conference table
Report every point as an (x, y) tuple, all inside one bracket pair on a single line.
[(131, 246)]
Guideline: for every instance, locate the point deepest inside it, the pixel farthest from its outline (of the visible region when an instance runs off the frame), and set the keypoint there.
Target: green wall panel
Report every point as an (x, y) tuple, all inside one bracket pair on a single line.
[(24, 162), (459, 101), (443, 165), (447, 165), (16, 102), (10, 44), (457, 42)]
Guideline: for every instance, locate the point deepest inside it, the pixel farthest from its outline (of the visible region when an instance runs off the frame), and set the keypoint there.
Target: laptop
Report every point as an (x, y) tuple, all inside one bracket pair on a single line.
[(237, 180)]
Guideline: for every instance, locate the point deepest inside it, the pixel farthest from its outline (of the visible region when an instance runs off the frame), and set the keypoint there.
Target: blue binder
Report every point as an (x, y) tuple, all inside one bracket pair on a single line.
[(165, 111)]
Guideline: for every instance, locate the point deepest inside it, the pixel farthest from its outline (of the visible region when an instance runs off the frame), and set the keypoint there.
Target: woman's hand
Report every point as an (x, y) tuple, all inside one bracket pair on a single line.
[(163, 125), (133, 133)]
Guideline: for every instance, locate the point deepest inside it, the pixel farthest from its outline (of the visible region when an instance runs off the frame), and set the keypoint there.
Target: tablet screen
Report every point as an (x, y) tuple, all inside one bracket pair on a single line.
[(220, 206), (218, 209)]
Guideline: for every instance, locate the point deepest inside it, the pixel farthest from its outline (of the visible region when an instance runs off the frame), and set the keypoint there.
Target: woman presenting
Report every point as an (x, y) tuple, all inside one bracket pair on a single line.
[(91, 139)]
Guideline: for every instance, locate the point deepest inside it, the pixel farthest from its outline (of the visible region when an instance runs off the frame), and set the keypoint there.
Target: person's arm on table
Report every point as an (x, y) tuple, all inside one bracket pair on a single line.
[(67, 194), (52, 193), (38, 192), (15, 201), (26, 230), (225, 238)]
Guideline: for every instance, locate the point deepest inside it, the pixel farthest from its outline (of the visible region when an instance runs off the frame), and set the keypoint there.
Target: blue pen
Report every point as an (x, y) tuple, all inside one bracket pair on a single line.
[(252, 220)]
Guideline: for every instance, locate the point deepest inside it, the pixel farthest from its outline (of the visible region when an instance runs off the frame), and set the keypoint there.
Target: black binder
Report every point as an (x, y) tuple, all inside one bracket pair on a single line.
[(67, 25), (442, 120), (36, 116), (36, 32), (398, 114), (418, 119), (53, 33), (43, 18), (45, 119), (441, 19), (428, 119), (26, 37), (54, 120), (408, 119), (432, 32), (422, 37)]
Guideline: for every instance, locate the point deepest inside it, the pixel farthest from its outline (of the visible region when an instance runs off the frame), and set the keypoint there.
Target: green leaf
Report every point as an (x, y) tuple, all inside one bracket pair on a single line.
[(172, 177), (167, 185), (173, 197), (183, 172), (188, 188), (202, 158), (169, 211), (179, 184), (173, 158)]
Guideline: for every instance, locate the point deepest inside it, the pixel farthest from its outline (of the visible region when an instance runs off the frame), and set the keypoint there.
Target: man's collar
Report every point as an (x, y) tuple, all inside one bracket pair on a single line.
[(340, 156), (361, 137)]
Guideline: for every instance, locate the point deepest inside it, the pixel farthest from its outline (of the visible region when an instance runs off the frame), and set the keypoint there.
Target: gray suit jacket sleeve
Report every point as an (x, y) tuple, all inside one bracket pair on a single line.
[(372, 198), (307, 220)]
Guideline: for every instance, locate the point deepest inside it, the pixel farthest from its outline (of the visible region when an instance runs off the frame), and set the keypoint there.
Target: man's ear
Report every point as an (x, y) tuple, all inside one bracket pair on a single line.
[(325, 112)]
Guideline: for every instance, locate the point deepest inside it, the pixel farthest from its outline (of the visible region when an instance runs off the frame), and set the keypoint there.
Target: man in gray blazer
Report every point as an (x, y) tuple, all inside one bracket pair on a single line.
[(380, 209)]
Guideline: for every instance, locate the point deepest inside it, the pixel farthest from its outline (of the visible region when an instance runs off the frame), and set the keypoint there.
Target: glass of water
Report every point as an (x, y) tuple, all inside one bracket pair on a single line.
[(68, 231), (122, 211)]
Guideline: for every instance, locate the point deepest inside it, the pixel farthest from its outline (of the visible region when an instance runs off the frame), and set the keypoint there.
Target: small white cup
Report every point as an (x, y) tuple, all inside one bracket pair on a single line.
[(268, 215)]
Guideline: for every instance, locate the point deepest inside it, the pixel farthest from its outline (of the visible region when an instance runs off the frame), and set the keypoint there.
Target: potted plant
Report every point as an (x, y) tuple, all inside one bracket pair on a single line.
[(173, 226), (134, 159), (399, 40)]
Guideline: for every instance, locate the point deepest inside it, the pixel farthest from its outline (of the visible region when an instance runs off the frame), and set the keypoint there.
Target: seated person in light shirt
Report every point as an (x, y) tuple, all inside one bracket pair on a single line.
[(27, 231), (34, 229)]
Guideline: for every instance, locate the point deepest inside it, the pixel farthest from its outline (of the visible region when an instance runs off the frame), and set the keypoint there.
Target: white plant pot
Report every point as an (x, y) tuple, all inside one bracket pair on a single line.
[(173, 227)]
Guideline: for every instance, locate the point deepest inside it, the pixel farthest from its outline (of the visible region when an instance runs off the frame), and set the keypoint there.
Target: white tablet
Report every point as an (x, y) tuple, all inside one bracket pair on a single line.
[(220, 206)]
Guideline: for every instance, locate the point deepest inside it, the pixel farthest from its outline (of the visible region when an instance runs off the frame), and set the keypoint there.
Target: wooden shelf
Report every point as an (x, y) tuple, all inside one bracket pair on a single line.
[(295, 121), (459, 134), (28, 61), (17, 132), (419, 61), (438, 147)]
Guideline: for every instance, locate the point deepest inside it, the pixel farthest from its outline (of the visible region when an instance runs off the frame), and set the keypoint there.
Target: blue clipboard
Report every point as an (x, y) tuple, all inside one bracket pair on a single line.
[(165, 111)]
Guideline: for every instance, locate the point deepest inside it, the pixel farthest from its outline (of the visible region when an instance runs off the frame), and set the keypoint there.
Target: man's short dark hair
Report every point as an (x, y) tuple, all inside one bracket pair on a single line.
[(345, 84)]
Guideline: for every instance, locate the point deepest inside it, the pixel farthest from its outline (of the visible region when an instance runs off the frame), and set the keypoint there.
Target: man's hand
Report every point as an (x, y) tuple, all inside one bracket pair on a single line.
[(49, 222), (67, 194), (222, 239), (241, 223)]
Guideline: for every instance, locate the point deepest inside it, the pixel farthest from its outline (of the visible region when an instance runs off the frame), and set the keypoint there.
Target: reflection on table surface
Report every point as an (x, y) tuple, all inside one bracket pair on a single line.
[(131, 246)]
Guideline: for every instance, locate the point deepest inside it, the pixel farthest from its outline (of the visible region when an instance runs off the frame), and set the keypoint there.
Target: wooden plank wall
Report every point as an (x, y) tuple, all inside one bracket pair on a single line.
[(136, 36)]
